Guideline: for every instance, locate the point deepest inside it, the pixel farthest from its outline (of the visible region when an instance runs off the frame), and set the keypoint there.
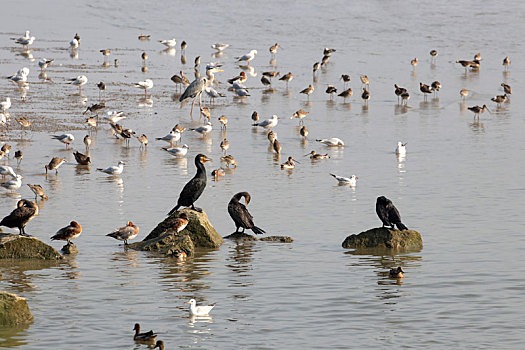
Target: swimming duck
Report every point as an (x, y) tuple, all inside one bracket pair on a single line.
[(143, 337), (397, 273), (315, 156)]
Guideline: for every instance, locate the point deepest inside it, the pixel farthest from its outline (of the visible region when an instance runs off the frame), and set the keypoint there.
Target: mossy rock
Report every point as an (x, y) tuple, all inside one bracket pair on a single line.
[(383, 237), (244, 237), (14, 310), (199, 228), (13, 246), (69, 249), (166, 244)]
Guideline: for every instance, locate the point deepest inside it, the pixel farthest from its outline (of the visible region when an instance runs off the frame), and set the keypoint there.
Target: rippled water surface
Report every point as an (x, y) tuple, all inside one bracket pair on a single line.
[(460, 185)]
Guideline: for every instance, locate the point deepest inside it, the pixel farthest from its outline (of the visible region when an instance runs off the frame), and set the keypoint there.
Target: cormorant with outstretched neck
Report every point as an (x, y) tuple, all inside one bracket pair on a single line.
[(24, 212), (240, 215), (388, 213), (194, 188)]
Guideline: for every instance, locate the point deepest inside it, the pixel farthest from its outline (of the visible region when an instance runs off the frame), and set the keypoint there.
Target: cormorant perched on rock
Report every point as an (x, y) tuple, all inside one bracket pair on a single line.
[(24, 212), (240, 214), (194, 188), (388, 214)]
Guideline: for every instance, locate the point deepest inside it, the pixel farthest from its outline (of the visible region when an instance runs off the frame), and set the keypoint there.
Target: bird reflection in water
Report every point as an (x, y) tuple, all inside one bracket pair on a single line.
[(128, 256), (145, 102), (170, 51), (192, 320)]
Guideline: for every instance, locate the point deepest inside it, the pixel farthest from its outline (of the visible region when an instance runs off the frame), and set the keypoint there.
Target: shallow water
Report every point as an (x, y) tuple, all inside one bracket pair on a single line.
[(461, 184)]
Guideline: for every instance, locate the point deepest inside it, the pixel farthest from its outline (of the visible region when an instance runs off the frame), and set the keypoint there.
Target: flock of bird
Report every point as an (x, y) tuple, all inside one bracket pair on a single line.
[(26, 210)]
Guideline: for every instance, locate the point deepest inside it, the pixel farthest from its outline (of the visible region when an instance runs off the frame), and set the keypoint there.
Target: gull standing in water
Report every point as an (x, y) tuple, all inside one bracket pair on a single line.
[(268, 123), (64, 138), (401, 149), (247, 57), (114, 170), (170, 43), (146, 85), (79, 81), (172, 137), (194, 90), (5, 105), (194, 188), (43, 63), (204, 129), (220, 47), (352, 180), (332, 142), (240, 214), (177, 151), (125, 233)]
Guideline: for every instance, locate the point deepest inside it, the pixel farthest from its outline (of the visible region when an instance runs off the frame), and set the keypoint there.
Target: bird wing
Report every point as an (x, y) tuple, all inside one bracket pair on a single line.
[(192, 90), (382, 213), (191, 191), (240, 214), (393, 213)]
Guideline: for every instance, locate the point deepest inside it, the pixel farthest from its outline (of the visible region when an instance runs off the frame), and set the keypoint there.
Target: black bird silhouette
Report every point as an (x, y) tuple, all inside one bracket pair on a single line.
[(194, 188), (24, 212), (388, 214), (240, 215)]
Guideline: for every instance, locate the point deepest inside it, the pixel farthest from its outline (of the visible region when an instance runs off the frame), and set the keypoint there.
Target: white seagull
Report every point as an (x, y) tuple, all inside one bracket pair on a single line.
[(5, 105), (43, 63), (113, 170), (332, 142), (401, 149), (22, 38), (74, 43), (212, 93), (115, 116), (146, 85), (195, 310), (13, 185), (352, 180), (20, 76), (205, 129), (248, 57), (220, 47), (177, 151), (172, 137), (64, 138), (170, 43), (7, 170), (26, 42), (242, 92), (268, 123), (79, 81)]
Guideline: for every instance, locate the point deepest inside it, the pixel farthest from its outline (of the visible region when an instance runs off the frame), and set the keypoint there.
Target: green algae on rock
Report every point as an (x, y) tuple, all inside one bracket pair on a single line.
[(13, 246), (383, 237), (13, 310)]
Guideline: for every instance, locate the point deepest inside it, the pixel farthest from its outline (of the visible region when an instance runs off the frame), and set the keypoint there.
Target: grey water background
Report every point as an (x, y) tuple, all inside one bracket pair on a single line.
[(461, 184)]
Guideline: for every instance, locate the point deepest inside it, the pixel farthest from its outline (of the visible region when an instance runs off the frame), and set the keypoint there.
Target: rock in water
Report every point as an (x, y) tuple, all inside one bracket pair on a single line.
[(13, 310), (13, 246), (199, 233), (244, 237), (69, 248), (383, 237)]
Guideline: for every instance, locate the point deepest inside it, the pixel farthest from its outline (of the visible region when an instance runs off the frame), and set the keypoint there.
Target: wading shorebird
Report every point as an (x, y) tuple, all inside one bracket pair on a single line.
[(193, 91), (229, 160), (477, 110), (300, 114), (506, 88), (398, 91), (54, 164), (414, 63), (506, 62), (79, 81), (268, 123), (146, 85), (38, 191), (289, 164), (331, 90), (308, 91), (499, 99), (464, 93), (365, 95), (425, 89), (273, 49), (346, 93), (316, 156), (287, 78)]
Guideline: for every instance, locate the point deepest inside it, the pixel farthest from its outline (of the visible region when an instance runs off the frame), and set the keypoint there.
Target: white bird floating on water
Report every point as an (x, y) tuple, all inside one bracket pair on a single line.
[(268, 123), (247, 57), (332, 142), (5, 105), (401, 149), (13, 185), (352, 180), (114, 170), (177, 151), (195, 310), (64, 138), (170, 43), (220, 47)]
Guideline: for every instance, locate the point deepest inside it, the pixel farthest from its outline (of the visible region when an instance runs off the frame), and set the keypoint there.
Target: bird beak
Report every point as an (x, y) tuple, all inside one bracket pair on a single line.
[(206, 159), (296, 161), (187, 302), (220, 70)]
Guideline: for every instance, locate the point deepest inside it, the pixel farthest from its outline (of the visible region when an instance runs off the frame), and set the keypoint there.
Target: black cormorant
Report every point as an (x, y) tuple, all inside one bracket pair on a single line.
[(240, 214), (388, 213), (194, 188), (24, 212)]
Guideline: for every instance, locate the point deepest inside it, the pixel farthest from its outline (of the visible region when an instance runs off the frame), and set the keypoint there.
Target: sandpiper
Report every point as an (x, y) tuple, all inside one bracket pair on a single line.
[(54, 164), (478, 110), (300, 114), (287, 78), (316, 156), (308, 91), (229, 160)]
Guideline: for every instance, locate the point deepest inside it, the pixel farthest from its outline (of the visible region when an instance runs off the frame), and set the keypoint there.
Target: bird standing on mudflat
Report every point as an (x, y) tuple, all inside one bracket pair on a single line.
[(240, 215), (194, 188), (24, 212), (388, 213), (193, 90)]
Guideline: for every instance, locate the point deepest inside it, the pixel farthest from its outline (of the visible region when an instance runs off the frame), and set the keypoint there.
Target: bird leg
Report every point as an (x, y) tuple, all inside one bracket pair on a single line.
[(198, 210), (192, 104)]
